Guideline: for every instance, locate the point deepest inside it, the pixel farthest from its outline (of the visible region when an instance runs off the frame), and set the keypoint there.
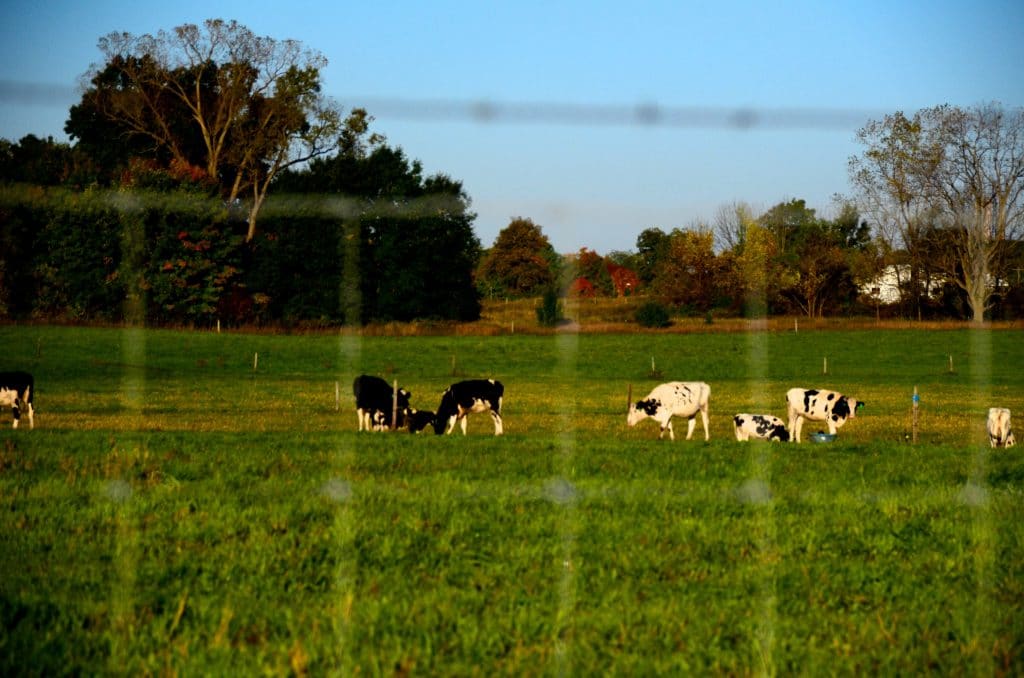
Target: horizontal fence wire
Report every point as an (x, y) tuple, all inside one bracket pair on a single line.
[(644, 113)]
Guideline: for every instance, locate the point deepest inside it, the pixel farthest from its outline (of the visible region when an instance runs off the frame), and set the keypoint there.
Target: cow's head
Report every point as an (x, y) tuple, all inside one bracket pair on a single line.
[(779, 433), (641, 410)]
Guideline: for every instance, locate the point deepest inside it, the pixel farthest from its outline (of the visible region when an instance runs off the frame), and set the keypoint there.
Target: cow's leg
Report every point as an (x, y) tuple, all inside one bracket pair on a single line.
[(362, 419), (463, 420), (667, 426), (797, 425), (16, 414), (498, 426), (704, 418), (690, 425), (31, 416), (831, 426)]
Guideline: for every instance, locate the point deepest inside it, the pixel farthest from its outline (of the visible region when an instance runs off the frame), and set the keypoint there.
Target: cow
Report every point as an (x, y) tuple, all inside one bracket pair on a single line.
[(374, 402), (17, 391), (465, 397), (760, 426), (417, 420), (679, 398), (819, 405), (999, 432)]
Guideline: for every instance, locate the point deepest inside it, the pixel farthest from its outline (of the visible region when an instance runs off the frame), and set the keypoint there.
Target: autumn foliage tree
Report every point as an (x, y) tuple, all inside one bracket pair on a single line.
[(240, 106), (520, 264)]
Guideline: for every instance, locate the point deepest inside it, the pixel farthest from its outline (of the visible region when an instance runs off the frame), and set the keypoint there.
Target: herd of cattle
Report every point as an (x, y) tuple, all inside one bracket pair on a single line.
[(380, 407)]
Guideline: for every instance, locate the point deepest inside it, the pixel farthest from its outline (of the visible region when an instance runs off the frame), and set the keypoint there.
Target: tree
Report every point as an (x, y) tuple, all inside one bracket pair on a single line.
[(807, 260), (961, 170), (687, 275), (731, 224), (651, 249), (389, 243), (240, 106), (522, 262), (593, 268)]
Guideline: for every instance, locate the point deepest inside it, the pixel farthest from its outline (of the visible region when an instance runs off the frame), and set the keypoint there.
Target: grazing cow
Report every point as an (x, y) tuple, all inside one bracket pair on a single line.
[(465, 397), (999, 432), (760, 426), (17, 390), (417, 420), (819, 405), (374, 402), (680, 398)]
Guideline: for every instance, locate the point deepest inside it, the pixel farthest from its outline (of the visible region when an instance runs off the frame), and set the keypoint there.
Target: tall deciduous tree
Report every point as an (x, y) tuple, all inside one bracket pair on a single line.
[(959, 169), (241, 106)]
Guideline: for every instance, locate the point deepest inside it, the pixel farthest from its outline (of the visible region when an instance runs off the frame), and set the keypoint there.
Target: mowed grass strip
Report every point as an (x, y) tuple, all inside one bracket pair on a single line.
[(224, 519)]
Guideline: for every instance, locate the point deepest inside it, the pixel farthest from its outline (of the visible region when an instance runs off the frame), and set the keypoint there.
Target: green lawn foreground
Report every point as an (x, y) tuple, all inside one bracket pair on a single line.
[(201, 504)]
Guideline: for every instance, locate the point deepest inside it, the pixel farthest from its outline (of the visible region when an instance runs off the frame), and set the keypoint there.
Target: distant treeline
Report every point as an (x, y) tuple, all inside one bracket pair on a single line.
[(161, 247)]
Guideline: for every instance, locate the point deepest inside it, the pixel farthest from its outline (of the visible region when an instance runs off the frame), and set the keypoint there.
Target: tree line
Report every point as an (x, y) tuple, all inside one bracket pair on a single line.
[(208, 179)]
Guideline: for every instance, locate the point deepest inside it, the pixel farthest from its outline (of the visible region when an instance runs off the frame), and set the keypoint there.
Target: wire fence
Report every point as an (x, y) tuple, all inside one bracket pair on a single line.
[(643, 113)]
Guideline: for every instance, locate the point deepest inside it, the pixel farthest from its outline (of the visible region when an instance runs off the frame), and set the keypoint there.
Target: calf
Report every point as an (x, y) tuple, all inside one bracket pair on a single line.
[(999, 432), (819, 405), (417, 420), (680, 398), (760, 426), (374, 402), (17, 391), (465, 397)]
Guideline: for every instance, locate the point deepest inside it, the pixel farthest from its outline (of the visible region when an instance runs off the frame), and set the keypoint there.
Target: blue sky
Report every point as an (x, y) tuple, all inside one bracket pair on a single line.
[(586, 184)]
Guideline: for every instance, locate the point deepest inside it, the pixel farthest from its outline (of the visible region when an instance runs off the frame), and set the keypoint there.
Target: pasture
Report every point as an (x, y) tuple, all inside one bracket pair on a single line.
[(197, 503)]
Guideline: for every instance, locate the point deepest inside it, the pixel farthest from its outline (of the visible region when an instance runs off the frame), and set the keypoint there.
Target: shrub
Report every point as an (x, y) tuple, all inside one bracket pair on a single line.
[(549, 313), (653, 314)]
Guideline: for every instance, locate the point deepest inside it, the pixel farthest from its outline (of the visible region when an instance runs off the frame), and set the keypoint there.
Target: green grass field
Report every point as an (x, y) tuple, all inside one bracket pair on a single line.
[(201, 504)]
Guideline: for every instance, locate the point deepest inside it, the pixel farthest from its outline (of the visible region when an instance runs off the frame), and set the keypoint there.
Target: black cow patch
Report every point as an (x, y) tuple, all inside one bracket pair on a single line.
[(649, 406)]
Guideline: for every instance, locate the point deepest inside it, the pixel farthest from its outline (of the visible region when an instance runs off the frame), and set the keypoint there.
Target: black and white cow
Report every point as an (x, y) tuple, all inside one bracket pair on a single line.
[(999, 432), (819, 405), (679, 398), (760, 426), (465, 397), (374, 403), (17, 391), (417, 420)]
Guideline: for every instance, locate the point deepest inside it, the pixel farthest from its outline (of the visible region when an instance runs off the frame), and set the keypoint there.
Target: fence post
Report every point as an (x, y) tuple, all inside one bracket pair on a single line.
[(917, 401), (394, 406)]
